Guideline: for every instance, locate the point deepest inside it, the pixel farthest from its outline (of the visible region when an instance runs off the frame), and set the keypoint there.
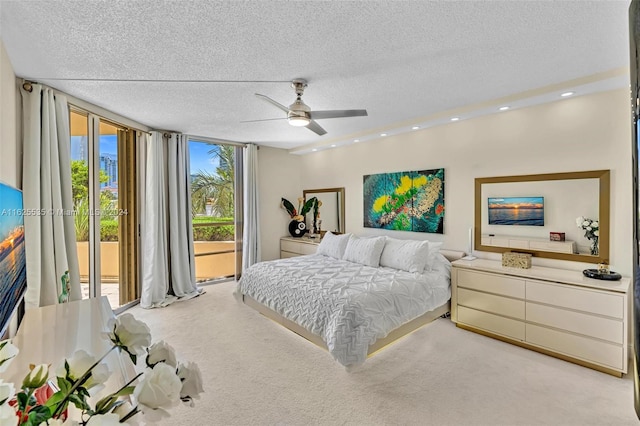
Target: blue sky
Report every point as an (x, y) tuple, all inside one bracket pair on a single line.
[(10, 206), (199, 152), (200, 157)]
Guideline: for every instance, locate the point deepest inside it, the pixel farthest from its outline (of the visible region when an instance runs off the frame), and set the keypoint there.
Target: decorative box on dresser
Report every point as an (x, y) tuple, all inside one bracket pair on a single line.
[(291, 247), (554, 311)]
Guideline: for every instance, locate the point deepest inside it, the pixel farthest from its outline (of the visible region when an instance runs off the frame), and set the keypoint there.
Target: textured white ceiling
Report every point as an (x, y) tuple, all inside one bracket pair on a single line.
[(399, 60)]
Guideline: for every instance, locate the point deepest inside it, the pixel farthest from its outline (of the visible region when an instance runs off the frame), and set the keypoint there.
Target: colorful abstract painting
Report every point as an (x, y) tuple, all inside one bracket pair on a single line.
[(406, 201)]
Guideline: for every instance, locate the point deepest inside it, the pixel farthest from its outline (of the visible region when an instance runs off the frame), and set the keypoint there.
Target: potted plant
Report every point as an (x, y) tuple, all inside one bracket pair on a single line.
[(297, 226)]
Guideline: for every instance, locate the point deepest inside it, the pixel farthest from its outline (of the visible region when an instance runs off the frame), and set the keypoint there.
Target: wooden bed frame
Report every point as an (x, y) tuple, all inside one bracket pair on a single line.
[(394, 335)]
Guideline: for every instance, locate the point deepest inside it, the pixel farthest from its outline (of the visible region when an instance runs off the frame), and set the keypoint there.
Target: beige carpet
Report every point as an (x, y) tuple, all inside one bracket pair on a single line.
[(257, 372)]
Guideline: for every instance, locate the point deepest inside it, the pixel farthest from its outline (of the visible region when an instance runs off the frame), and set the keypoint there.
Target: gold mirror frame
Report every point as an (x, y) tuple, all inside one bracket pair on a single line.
[(340, 192), (603, 177)]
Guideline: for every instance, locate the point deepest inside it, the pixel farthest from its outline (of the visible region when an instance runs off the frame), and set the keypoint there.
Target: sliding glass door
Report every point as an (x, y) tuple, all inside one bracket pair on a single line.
[(213, 200), (102, 169)]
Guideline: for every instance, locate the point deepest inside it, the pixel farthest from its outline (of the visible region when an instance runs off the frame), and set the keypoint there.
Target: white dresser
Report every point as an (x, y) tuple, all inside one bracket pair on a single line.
[(291, 247), (554, 311)]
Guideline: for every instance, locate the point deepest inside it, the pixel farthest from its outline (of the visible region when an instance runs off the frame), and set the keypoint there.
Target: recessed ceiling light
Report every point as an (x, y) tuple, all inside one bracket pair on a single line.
[(565, 94), (455, 118), (504, 108), (356, 140), (314, 149), (415, 128), (383, 134), (333, 146)]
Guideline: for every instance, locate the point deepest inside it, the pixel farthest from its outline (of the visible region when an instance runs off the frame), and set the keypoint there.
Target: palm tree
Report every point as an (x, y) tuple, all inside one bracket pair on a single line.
[(215, 189)]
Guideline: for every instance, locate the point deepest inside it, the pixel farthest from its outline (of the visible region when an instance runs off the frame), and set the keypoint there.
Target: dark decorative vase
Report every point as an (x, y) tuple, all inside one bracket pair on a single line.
[(594, 246), (297, 228)]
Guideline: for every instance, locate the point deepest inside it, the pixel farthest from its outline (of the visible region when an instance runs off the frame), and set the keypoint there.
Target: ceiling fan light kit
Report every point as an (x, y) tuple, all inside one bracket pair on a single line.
[(300, 115)]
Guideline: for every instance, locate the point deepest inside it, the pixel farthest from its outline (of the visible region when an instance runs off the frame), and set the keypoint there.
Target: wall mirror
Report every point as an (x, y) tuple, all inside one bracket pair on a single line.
[(519, 213), (332, 209)]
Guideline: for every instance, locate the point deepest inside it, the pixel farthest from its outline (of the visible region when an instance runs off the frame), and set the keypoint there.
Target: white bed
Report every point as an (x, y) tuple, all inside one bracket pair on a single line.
[(349, 308)]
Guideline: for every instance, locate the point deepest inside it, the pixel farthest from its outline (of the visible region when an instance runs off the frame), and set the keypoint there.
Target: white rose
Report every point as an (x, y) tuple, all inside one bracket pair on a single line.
[(160, 387), (8, 416), (79, 363), (161, 352), (596, 233), (109, 419), (594, 224), (191, 379), (7, 352), (36, 377), (7, 391), (588, 228), (586, 223), (125, 408), (130, 334)]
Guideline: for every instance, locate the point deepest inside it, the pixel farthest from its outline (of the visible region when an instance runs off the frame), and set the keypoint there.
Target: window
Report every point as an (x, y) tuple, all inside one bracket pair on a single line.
[(102, 168), (213, 198)]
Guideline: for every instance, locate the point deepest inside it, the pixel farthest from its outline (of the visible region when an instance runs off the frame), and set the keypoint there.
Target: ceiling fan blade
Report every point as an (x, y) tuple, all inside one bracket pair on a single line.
[(274, 103), (315, 127), (338, 113), (265, 119)]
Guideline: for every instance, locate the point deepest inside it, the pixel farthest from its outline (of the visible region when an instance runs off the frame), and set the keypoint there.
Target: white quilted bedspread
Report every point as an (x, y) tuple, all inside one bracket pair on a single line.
[(347, 304)]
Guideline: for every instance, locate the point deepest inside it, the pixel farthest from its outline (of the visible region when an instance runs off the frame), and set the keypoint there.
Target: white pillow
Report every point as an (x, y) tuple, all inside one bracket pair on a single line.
[(365, 251), (434, 249), (333, 245), (406, 255)]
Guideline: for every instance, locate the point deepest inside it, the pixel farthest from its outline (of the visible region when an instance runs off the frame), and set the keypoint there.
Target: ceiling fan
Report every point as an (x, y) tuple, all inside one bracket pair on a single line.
[(300, 115)]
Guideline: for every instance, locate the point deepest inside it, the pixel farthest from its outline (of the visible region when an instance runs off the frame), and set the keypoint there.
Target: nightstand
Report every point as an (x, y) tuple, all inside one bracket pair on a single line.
[(291, 247)]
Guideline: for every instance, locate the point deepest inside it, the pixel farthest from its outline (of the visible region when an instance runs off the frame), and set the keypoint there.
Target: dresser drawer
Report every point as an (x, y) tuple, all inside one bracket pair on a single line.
[(577, 322), (577, 346), (611, 305), (490, 322), (287, 254), (491, 303), (298, 247), (498, 284)]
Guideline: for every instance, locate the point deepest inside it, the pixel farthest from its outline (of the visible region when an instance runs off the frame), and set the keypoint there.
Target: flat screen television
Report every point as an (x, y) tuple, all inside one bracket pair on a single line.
[(524, 211), (13, 261)]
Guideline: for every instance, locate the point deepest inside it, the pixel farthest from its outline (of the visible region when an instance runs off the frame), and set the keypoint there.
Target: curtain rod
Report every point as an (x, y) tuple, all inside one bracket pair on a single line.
[(124, 80), (217, 140), (88, 107)]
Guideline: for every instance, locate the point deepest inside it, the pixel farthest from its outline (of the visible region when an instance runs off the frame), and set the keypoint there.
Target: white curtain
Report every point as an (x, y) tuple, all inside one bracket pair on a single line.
[(50, 238), (167, 239), (251, 232)]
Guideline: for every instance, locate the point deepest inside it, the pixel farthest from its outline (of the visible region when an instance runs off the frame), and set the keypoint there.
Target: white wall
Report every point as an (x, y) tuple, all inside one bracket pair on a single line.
[(10, 154), (590, 132), (279, 176)]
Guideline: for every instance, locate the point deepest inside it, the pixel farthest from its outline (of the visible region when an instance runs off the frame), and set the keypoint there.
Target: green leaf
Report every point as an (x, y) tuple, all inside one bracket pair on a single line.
[(79, 402), (23, 400), (125, 391), (288, 207), (64, 385), (55, 399), (38, 414), (307, 206), (105, 404)]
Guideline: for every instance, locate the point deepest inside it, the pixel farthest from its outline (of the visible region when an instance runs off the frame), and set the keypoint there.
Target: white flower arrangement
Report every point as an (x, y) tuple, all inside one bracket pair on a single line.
[(162, 385), (591, 231)]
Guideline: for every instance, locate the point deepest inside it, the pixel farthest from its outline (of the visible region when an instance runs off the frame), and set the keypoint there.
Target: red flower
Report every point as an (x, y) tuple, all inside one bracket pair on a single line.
[(42, 394), (439, 209)]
